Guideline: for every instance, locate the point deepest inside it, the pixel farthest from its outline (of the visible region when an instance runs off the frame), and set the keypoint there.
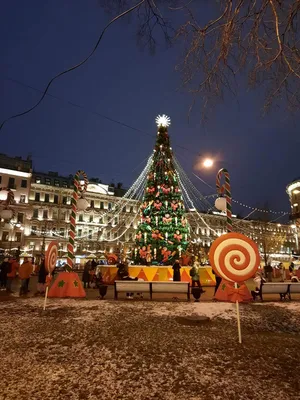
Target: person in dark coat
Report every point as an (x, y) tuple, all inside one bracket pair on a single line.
[(4, 270), (218, 281), (176, 271), (42, 278), (86, 275), (94, 264)]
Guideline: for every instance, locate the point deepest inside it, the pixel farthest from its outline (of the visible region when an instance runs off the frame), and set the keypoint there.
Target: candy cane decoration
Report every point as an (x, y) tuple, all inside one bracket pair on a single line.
[(77, 189), (225, 188)]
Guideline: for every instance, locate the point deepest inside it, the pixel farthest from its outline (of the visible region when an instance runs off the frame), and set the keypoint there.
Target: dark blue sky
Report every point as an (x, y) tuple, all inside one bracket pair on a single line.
[(39, 39)]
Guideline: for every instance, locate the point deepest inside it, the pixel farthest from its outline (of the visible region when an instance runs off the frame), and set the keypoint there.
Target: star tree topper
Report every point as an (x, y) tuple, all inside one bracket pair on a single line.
[(163, 120)]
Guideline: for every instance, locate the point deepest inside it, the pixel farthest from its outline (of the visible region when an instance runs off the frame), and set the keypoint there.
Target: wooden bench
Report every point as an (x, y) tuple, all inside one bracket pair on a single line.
[(280, 288), (294, 288), (151, 287)]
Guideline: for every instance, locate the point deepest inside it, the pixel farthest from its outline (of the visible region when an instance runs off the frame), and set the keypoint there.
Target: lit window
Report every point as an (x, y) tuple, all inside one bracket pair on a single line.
[(22, 198), (37, 180)]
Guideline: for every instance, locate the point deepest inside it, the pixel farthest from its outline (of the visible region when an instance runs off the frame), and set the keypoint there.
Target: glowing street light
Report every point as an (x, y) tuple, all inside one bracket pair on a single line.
[(208, 163)]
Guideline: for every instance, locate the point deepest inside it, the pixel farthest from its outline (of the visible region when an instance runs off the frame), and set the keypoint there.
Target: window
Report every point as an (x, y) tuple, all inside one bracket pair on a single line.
[(37, 179), (79, 232), (33, 230), (92, 204), (116, 220), (45, 214), (22, 198), (5, 236), (18, 236), (56, 182), (37, 197), (55, 214), (131, 209), (55, 201), (11, 183), (62, 232), (101, 220), (64, 200), (91, 218), (35, 213), (47, 197), (23, 183), (21, 218), (65, 184), (109, 206), (90, 234), (0, 179), (101, 205), (48, 181), (124, 209), (80, 219)]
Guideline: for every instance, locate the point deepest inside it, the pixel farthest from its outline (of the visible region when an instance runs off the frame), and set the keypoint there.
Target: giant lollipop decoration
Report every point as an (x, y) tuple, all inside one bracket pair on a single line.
[(50, 263), (235, 258)]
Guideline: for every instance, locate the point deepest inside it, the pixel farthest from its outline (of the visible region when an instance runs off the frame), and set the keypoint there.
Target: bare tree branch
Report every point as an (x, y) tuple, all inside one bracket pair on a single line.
[(259, 38)]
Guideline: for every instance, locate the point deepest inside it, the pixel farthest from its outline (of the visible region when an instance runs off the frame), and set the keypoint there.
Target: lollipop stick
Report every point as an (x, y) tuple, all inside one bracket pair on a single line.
[(46, 294), (238, 317)]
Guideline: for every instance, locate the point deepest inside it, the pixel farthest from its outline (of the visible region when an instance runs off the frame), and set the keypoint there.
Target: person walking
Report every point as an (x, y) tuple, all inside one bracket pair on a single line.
[(269, 272), (218, 281), (4, 269), (176, 271), (25, 271), (195, 275), (282, 271), (86, 275), (14, 266), (42, 275)]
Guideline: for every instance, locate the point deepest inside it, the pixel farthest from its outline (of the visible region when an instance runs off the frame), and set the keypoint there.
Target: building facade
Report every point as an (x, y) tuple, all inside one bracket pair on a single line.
[(42, 207)]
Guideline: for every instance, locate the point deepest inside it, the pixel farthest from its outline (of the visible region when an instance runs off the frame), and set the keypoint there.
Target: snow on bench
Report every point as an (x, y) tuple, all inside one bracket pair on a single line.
[(294, 288), (284, 289)]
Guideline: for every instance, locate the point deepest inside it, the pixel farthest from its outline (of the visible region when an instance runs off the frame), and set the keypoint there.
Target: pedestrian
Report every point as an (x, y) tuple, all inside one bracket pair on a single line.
[(282, 271), (14, 267), (92, 276), (25, 271), (42, 276), (176, 271), (218, 281), (4, 269), (269, 271), (291, 268), (195, 275), (94, 264), (86, 275), (123, 274)]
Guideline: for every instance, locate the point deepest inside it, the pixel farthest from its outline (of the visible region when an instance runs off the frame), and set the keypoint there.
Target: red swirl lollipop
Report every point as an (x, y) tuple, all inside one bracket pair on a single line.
[(234, 257), (51, 255)]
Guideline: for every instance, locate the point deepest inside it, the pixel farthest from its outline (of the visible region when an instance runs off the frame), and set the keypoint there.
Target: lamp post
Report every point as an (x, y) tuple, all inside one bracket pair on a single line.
[(221, 190)]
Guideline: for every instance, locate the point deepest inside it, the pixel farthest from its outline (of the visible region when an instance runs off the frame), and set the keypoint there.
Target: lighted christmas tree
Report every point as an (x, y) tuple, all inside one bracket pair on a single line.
[(163, 233)]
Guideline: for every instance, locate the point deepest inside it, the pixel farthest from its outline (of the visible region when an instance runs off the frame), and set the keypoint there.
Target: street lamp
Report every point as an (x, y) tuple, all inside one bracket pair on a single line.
[(208, 163)]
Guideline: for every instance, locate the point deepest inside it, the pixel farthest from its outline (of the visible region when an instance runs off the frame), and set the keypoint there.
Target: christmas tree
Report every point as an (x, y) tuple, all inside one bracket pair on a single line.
[(163, 233)]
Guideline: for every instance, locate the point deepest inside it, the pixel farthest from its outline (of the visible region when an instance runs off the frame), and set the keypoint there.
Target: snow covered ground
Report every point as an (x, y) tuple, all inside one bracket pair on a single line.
[(79, 349)]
